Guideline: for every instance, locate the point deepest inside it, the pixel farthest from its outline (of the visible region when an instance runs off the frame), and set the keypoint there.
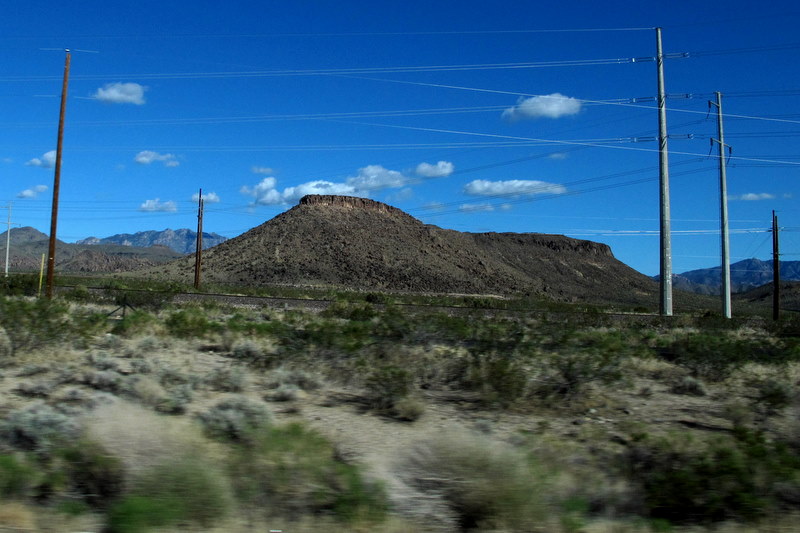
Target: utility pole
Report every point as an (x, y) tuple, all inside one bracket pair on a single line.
[(776, 270), (725, 272), (8, 237), (665, 281), (51, 256), (198, 257)]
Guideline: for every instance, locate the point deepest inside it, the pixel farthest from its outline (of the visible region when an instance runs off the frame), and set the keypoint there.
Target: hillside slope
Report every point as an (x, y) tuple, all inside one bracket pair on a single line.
[(362, 244)]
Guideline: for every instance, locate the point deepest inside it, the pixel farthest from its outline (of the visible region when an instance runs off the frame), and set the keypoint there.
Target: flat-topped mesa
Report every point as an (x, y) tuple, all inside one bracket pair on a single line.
[(352, 202)]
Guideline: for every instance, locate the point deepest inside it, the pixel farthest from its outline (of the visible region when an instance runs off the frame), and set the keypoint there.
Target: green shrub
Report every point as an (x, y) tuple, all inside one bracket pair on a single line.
[(135, 323), (92, 472), (727, 478), (6, 348), (713, 357), (79, 293), (565, 375), (387, 384), (236, 418), (501, 378), (19, 285), (350, 311), (138, 514), (771, 395), (17, 477), (33, 324), (183, 491), (293, 471), (190, 322)]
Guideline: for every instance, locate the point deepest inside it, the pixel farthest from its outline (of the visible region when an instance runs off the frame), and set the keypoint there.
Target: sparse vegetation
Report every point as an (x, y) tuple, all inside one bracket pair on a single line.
[(535, 422), (236, 418)]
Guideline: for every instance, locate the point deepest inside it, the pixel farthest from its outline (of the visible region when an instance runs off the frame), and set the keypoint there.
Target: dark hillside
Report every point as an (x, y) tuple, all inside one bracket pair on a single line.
[(363, 244)]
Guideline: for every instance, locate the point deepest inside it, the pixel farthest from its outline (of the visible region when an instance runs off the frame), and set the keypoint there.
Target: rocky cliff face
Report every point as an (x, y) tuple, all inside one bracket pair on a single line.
[(352, 202), (363, 244)]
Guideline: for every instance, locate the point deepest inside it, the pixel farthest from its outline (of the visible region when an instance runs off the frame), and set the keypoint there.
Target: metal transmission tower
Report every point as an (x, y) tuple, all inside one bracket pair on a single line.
[(725, 272), (665, 281), (198, 257), (51, 255), (8, 238), (776, 270)]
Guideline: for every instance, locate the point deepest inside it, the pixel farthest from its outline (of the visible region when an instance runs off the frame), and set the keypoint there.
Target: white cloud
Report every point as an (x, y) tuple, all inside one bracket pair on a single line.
[(33, 192), (121, 93), (512, 188), (752, 196), (546, 106), (293, 194), (786, 195), (439, 170), (368, 178), (473, 208), (557, 156), (157, 205), (265, 193), (262, 170), (146, 157), (7, 160), (209, 197), (374, 177), (48, 160)]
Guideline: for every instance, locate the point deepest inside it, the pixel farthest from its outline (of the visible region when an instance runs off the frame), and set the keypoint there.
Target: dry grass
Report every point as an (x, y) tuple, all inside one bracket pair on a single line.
[(142, 439), (439, 475)]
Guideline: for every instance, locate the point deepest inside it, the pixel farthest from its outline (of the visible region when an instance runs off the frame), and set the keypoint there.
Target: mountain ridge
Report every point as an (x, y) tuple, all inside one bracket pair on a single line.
[(745, 275), (181, 240)]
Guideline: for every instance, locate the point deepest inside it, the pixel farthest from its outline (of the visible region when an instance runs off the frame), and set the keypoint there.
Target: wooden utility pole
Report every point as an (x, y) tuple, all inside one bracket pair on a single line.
[(663, 173), (776, 270), (51, 256), (725, 272), (8, 238), (198, 257)]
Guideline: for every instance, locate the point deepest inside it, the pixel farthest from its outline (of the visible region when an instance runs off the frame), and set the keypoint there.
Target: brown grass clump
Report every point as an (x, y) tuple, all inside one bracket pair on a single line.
[(482, 485), (140, 438), (15, 516)]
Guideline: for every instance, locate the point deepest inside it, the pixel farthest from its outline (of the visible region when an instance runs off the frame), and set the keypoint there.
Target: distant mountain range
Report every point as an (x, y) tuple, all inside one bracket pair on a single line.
[(745, 275), (182, 241), (28, 245)]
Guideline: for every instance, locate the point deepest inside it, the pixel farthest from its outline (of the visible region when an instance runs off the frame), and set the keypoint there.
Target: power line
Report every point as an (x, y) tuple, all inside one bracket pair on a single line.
[(330, 34)]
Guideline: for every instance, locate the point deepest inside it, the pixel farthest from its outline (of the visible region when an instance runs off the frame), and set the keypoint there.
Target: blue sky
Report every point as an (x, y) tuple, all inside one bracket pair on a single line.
[(473, 116)]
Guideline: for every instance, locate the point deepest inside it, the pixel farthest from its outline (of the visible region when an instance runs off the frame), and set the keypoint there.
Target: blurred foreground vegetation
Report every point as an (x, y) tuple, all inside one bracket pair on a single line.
[(102, 427)]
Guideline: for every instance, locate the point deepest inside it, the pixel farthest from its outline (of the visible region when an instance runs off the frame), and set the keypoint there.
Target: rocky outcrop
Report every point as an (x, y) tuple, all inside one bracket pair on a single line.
[(352, 202)]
